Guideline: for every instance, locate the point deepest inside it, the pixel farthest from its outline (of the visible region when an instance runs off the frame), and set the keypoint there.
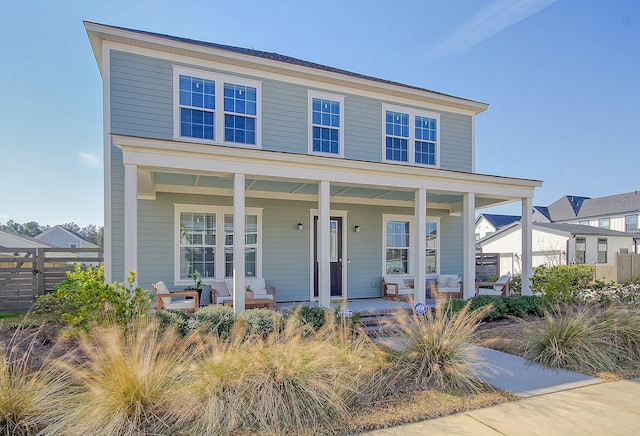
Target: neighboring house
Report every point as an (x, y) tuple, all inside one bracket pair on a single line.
[(13, 240), (556, 244), (487, 223), (340, 178), (616, 212), (64, 238)]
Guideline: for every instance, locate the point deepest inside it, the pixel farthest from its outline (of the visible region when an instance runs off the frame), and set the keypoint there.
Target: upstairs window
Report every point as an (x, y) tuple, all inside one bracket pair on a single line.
[(410, 136), (326, 134), (631, 223), (604, 223), (216, 108)]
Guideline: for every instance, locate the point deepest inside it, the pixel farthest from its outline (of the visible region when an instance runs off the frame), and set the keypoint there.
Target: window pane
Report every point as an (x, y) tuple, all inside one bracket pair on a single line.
[(228, 229), (228, 262), (430, 263), (397, 261), (603, 223), (250, 262), (631, 223), (333, 241)]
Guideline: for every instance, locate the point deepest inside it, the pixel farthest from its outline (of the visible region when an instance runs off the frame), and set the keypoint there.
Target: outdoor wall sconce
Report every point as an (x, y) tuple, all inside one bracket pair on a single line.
[(300, 226), (356, 229)]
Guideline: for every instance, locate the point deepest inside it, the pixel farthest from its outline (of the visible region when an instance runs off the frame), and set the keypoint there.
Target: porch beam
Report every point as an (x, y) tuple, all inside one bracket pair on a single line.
[(130, 220), (420, 243), (238, 242), (324, 257), (527, 238), (469, 245)]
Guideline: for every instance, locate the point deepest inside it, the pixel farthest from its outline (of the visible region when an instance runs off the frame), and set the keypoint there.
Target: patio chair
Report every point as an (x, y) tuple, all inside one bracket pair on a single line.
[(165, 300), (498, 288)]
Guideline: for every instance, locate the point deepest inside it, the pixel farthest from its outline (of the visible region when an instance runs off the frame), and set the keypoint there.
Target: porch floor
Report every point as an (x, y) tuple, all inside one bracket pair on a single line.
[(362, 305)]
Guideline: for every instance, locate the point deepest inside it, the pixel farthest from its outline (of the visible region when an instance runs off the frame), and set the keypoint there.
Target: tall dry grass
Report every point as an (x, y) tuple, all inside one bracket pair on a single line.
[(129, 383), (291, 381), (436, 349), (587, 339), (29, 392)]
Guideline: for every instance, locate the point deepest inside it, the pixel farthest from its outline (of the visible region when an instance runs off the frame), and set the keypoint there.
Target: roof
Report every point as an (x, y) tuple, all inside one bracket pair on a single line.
[(272, 56), (566, 208), (610, 205), (578, 229), (14, 240), (499, 221), (65, 230), (562, 228), (543, 210)]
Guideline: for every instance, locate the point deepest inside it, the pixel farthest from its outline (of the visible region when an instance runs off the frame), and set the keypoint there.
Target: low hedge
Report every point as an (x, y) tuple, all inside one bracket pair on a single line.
[(502, 307)]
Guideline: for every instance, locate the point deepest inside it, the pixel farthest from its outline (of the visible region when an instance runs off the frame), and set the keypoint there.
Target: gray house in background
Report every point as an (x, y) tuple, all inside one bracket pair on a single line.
[(339, 179), (58, 236)]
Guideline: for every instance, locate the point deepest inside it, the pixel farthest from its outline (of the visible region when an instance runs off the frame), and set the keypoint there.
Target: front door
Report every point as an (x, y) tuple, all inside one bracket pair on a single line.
[(335, 253)]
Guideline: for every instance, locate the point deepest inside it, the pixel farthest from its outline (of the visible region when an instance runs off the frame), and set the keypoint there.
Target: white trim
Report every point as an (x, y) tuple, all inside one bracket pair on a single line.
[(411, 140), (311, 94), (337, 213), (412, 238), (219, 113), (130, 220), (220, 211), (527, 245), (107, 147), (239, 228), (469, 244), (298, 75)]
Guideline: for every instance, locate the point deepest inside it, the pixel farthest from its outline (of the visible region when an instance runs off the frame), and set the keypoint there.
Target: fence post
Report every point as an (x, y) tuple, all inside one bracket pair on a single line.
[(40, 279)]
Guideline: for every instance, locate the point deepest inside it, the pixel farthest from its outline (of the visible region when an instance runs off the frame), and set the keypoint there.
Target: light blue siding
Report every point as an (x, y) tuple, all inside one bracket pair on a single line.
[(142, 105), (286, 251)]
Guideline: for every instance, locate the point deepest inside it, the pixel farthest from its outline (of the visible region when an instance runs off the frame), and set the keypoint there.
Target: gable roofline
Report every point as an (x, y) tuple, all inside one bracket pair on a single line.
[(74, 234), (28, 239), (499, 221), (98, 32), (562, 229)]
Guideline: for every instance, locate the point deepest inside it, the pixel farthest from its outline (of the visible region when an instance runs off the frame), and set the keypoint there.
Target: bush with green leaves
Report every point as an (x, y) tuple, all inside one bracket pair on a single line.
[(261, 322), (562, 282), (173, 319), (214, 318), (515, 285), (314, 317), (502, 307), (84, 299)]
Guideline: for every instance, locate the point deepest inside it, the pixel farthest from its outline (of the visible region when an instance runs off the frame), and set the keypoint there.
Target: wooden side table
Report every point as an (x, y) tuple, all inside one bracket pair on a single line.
[(254, 304)]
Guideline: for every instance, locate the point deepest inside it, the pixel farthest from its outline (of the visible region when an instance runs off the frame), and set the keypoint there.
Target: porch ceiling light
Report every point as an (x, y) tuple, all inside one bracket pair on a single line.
[(300, 226)]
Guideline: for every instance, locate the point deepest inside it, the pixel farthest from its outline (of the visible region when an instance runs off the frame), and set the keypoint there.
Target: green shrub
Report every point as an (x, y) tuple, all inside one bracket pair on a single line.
[(561, 282), (261, 322), (173, 319), (515, 285), (84, 299), (502, 307), (215, 318), (314, 317)]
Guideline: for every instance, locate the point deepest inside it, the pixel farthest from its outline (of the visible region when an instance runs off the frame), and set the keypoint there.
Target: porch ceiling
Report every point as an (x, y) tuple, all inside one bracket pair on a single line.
[(167, 181)]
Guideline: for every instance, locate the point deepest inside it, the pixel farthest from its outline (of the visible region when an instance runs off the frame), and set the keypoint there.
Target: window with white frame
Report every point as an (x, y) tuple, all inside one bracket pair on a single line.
[(581, 250), (326, 134), (604, 223), (411, 136), (215, 107), (631, 223), (583, 222), (199, 249), (398, 248), (602, 250)]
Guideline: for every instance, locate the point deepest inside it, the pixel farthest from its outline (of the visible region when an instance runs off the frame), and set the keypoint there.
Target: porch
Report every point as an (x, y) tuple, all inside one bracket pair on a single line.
[(294, 202)]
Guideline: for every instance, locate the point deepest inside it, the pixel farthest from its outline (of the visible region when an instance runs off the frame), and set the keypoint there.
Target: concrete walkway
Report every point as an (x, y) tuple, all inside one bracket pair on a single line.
[(555, 402)]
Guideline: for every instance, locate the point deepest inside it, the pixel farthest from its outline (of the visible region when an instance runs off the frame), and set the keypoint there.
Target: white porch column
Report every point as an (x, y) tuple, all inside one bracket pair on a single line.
[(420, 242), (527, 237), (469, 244), (130, 221), (238, 243), (324, 256)]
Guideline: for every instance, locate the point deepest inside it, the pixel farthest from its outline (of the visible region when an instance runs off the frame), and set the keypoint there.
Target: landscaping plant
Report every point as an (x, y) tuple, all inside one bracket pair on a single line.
[(437, 348), (562, 283)]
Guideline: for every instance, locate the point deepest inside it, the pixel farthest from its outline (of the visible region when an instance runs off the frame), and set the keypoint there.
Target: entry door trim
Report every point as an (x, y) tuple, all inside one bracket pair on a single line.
[(345, 231)]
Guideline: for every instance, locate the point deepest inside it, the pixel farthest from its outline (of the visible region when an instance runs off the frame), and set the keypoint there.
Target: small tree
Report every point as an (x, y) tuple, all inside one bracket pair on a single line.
[(561, 282)]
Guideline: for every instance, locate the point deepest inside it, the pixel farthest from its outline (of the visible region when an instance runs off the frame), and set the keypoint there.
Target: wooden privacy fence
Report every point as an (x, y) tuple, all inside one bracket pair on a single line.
[(487, 265), (26, 273), (626, 267)]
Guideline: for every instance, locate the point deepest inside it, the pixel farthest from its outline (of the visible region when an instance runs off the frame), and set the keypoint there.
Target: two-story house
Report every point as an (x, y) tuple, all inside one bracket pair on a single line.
[(338, 178)]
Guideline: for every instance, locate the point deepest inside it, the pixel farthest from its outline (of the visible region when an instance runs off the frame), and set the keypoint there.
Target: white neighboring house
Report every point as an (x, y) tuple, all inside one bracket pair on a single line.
[(557, 244), (615, 212), (58, 236), (488, 223), (13, 240)]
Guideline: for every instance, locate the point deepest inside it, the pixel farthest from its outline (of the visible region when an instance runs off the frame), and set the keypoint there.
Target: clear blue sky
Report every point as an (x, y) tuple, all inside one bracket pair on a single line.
[(562, 79)]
